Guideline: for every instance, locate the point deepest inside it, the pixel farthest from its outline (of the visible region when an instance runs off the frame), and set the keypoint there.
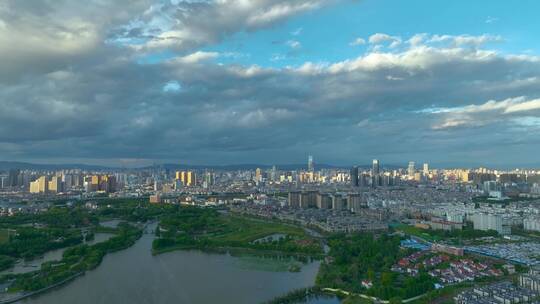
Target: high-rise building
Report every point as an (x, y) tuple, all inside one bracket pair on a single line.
[(354, 176), (191, 178), (208, 179), (13, 178), (375, 170), (109, 184), (40, 185), (294, 198), (487, 221), (68, 181), (411, 169), (308, 199), (311, 166), (492, 186), (363, 180), (338, 202), (355, 202), (3, 181), (273, 174), (56, 185), (258, 175), (101, 183), (426, 169), (94, 180), (324, 201), (188, 178)]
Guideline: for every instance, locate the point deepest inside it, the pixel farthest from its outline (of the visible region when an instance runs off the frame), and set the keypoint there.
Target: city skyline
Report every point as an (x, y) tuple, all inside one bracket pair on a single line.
[(133, 83)]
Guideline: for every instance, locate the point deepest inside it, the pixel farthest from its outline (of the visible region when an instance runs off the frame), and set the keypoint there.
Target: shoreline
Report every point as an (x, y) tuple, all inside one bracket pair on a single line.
[(43, 290)]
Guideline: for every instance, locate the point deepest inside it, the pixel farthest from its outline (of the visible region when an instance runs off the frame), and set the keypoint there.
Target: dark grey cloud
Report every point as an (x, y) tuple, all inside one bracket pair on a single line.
[(42, 36)]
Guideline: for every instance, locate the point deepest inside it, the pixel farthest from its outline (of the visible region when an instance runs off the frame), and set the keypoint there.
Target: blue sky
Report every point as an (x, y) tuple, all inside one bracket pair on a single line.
[(136, 82), (325, 35)]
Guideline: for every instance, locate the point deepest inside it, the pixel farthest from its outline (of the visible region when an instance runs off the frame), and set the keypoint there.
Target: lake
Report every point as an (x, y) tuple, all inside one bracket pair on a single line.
[(135, 276)]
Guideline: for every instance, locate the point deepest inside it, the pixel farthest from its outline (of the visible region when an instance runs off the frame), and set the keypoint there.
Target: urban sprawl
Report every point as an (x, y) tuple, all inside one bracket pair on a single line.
[(434, 210)]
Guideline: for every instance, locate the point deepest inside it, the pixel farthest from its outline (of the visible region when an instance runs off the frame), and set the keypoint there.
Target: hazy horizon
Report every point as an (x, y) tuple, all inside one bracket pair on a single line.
[(135, 164)]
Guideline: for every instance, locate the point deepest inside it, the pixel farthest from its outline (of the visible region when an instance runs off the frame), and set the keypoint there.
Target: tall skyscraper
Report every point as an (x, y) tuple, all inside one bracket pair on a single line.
[(209, 179), (13, 178), (426, 169), (55, 184), (310, 165), (258, 175), (40, 185), (375, 170), (188, 178), (411, 169), (354, 176), (273, 173)]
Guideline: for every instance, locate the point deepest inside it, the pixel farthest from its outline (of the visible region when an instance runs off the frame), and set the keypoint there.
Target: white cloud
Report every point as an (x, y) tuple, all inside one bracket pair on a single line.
[(380, 38), (172, 86), (530, 105), (465, 40), (422, 54), (278, 57), (358, 41), (264, 16), (487, 113), (196, 57), (293, 44), (417, 39)]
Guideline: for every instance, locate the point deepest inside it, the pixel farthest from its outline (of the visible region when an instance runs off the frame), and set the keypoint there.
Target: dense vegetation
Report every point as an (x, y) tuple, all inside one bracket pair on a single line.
[(29, 242), (370, 257), (207, 228), (6, 262), (56, 217), (29, 235), (132, 210)]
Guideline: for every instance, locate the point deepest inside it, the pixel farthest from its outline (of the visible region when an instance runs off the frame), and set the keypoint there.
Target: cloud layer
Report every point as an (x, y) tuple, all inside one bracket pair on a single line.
[(73, 87)]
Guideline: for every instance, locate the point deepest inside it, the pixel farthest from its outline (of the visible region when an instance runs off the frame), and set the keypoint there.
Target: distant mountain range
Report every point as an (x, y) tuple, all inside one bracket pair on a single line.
[(245, 167), (7, 165)]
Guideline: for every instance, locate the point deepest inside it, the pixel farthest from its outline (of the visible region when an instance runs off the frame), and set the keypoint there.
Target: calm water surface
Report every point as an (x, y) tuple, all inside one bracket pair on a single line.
[(135, 276)]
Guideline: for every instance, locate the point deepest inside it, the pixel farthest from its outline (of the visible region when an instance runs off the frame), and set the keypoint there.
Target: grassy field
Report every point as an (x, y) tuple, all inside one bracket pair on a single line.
[(422, 233), (244, 229), (207, 229)]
